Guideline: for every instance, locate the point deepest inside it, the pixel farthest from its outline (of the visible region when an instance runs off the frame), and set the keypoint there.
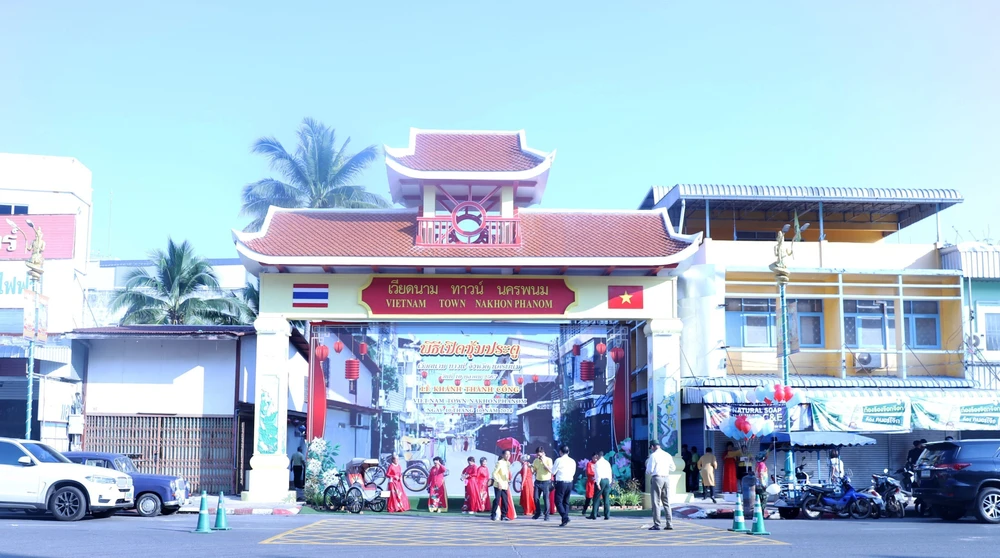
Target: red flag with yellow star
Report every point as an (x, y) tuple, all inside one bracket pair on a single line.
[(625, 297)]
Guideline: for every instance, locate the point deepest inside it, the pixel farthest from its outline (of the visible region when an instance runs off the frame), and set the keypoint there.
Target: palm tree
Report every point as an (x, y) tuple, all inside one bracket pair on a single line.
[(181, 288), (317, 175)]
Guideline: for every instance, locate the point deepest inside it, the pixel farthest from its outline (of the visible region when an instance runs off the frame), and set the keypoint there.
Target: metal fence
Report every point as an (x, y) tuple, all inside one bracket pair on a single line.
[(199, 449)]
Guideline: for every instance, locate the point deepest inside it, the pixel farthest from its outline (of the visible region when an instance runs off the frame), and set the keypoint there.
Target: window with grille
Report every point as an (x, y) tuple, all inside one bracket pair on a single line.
[(753, 322)]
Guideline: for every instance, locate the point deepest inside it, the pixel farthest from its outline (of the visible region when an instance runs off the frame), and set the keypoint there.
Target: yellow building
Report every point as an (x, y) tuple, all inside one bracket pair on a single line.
[(878, 324)]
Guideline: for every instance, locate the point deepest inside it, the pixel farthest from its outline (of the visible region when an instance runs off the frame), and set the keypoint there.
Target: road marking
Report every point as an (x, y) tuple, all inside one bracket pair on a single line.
[(461, 532)]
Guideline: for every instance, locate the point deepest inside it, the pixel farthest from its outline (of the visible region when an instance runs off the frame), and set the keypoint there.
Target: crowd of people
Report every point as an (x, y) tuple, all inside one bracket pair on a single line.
[(546, 486)]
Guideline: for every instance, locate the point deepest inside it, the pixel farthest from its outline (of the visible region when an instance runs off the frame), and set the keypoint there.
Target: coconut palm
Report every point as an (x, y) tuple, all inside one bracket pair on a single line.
[(317, 175), (179, 288)]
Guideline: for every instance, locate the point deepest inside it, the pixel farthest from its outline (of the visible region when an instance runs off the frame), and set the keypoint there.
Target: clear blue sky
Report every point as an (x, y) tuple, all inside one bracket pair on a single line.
[(162, 100)]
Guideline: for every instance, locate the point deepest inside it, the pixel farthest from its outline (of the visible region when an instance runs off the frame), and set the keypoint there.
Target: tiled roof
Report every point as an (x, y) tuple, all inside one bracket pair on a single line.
[(544, 234), (469, 152)]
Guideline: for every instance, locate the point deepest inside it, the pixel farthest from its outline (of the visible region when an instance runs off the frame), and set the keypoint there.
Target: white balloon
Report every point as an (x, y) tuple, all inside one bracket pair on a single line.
[(768, 428), (756, 424), (762, 393), (751, 397)]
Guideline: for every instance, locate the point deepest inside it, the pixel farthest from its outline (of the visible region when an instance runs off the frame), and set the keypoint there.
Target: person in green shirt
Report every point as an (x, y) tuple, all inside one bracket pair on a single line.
[(542, 467), (692, 474)]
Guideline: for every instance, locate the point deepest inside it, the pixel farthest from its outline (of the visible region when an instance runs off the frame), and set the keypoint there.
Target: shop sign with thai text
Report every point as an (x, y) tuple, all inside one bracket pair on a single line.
[(465, 296)]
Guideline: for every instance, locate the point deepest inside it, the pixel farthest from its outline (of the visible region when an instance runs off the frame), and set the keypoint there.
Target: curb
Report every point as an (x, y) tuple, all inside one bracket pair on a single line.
[(247, 511)]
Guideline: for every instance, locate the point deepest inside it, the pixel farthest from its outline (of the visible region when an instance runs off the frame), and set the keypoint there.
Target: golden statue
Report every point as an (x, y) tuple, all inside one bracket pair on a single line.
[(37, 247), (781, 252)]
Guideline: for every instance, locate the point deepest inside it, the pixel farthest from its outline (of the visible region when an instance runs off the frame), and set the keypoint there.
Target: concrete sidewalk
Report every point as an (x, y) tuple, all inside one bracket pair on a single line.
[(236, 506)]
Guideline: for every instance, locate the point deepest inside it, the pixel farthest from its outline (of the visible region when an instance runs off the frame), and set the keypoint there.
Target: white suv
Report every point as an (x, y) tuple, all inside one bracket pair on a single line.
[(36, 478)]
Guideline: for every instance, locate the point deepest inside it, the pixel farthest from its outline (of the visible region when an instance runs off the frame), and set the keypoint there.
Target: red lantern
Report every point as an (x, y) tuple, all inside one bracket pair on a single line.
[(338, 346), (601, 348), (504, 382), (440, 379), (535, 378), (618, 355), (362, 348), (458, 382), (352, 369), (423, 374), (322, 352), (576, 350), (520, 380), (587, 371), (486, 383)]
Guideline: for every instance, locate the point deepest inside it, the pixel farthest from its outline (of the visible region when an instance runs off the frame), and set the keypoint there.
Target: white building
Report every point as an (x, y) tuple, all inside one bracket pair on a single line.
[(52, 195), (180, 399), (108, 277)]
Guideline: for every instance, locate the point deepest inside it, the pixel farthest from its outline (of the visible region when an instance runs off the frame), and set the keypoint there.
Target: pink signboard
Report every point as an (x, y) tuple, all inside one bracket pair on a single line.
[(58, 232)]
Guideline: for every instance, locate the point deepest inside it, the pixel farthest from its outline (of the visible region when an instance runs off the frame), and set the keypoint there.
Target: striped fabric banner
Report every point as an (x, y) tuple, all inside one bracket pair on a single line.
[(310, 295)]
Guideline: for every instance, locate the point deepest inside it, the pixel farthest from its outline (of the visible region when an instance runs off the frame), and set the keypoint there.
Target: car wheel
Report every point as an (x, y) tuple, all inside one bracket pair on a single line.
[(103, 514), (988, 505), (169, 511), (950, 514), (68, 504), (148, 505)]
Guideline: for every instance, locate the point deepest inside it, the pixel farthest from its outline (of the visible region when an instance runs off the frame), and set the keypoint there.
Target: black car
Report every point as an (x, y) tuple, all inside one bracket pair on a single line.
[(957, 476)]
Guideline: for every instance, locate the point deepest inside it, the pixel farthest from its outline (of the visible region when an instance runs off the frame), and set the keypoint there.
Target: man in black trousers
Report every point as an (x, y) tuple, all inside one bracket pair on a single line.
[(564, 471)]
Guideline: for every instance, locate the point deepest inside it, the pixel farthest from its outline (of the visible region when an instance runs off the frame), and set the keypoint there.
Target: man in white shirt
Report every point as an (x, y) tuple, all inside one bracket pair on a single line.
[(564, 469), (659, 466), (602, 480)]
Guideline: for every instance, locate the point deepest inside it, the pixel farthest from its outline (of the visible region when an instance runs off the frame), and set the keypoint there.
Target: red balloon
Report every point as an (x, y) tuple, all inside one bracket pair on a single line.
[(338, 346), (362, 348), (534, 378), (788, 393), (458, 382), (322, 352), (745, 427), (486, 383)]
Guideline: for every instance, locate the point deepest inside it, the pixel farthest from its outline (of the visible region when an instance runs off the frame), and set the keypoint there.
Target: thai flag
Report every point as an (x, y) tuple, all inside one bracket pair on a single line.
[(310, 295)]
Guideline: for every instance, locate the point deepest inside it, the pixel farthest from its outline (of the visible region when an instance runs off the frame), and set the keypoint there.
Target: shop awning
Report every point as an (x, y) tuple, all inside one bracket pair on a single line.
[(602, 406), (51, 353), (817, 440), (536, 406)]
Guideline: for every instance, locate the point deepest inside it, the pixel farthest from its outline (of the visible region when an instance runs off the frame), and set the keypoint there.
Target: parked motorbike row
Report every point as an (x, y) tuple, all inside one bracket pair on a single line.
[(886, 497)]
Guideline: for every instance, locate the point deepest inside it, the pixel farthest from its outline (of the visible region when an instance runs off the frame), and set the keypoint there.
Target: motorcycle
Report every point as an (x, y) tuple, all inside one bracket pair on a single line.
[(892, 494), (922, 508), (878, 509), (847, 503)]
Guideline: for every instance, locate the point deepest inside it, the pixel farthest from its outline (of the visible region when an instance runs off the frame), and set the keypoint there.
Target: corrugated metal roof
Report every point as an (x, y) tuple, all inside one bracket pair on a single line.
[(975, 260), (818, 193), (51, 353)]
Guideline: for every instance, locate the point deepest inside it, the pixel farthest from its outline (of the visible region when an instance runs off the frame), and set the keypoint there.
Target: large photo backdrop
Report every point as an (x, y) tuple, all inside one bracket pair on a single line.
[(460, 390)]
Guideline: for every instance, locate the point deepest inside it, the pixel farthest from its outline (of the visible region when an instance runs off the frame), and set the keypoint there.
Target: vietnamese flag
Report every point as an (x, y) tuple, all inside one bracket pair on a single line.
[(624, 297)]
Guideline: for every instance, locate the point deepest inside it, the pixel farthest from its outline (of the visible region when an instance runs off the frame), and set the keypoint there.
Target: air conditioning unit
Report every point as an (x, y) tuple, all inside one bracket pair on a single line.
[(868, 361), (357, 420), (975, 341)]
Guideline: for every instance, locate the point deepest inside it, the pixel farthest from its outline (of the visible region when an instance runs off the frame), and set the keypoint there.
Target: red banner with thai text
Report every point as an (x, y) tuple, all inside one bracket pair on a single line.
[(464, 296)]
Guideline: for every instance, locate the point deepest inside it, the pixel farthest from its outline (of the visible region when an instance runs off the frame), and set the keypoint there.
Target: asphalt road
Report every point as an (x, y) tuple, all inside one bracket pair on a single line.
[(446, 537)]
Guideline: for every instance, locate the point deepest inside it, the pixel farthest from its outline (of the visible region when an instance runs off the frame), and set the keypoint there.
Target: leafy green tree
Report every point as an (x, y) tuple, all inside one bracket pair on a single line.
[(317, 175), (179, 288)]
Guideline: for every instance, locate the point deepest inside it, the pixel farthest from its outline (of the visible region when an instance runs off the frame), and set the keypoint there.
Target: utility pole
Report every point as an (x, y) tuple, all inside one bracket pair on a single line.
[(36, 265)]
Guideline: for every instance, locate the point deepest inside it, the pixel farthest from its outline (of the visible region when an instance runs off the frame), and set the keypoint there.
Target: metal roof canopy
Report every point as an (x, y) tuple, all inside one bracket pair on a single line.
[(814, 441), (909, 205)]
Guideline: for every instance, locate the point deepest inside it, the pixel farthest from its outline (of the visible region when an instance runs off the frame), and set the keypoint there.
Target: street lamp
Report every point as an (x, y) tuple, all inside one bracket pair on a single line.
[(782, 276), (35, 264)]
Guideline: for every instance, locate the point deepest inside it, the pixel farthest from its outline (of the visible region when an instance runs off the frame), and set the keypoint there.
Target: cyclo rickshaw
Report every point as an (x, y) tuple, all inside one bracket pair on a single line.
[(357, 487), (515, 457)]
